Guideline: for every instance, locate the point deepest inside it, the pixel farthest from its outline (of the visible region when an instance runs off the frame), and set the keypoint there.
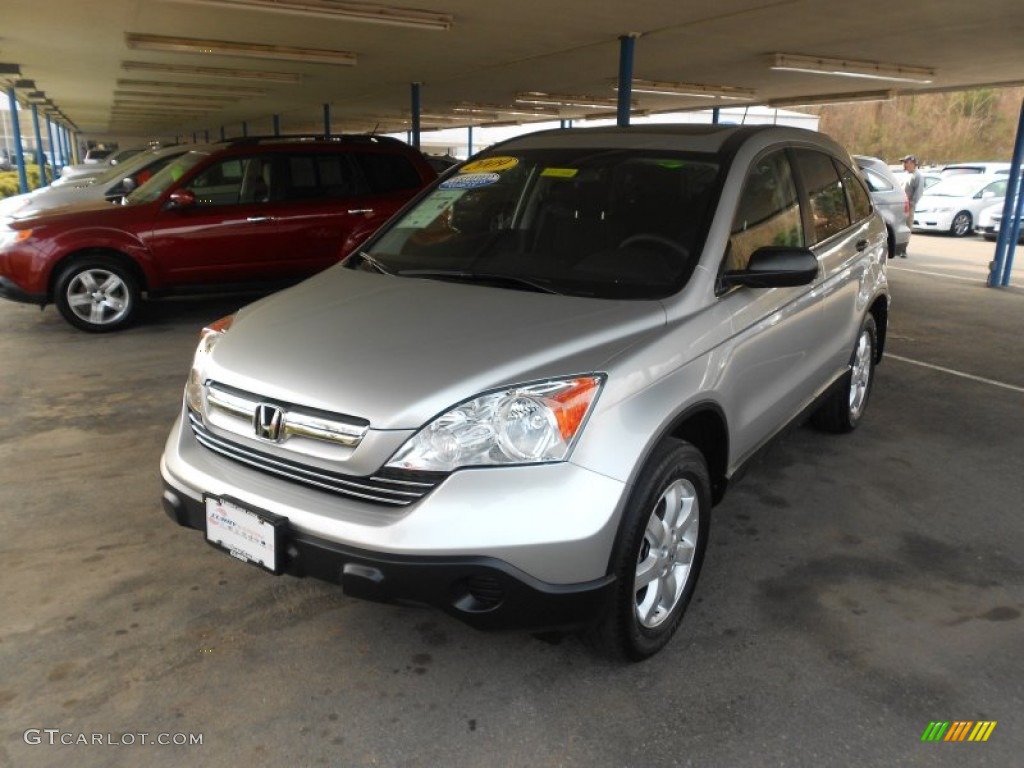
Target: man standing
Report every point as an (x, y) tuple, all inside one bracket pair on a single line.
[(914, 187)]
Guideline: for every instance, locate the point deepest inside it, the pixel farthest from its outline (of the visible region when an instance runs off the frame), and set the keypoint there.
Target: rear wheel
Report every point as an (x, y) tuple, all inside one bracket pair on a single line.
[(844, 407), (659, 554), (961, 225), (97, 294)]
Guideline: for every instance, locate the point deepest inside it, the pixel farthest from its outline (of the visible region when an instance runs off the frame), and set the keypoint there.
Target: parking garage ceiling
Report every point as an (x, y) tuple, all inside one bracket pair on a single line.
[(159, 68)]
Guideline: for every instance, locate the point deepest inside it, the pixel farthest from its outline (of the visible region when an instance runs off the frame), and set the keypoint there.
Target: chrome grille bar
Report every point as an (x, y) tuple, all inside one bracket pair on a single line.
[(374, 488)]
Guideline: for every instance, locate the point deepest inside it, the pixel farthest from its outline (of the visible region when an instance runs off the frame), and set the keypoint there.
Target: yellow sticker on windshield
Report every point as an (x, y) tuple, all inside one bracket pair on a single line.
[(560, 173), (490, 165)]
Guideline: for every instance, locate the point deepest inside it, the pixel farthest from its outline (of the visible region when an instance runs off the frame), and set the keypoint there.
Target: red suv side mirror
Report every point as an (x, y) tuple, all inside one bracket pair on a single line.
[(181, 198)]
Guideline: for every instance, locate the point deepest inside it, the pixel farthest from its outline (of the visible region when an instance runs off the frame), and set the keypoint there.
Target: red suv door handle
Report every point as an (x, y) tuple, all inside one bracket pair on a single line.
[(354, 211), (259, 219)]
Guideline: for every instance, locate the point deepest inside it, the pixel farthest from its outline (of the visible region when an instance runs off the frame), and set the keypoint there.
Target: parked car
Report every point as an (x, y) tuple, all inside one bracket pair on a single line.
[(253, 211), (979, 167), (98, 155), (111, 186), (890, 201), (7, 160), (97, 166), (954, 203), (994, 222), (519, 399)]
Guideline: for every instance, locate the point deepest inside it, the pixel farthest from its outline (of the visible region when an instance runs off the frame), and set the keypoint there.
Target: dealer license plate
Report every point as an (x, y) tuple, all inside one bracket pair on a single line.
[(252, 535)]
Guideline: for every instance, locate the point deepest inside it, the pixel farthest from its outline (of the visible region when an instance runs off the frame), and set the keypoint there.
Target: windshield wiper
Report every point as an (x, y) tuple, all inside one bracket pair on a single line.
[(497, 280), (375, 263)]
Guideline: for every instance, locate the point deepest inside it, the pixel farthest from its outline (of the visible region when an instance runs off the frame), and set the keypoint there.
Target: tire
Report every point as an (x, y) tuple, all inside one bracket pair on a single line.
[(844, 408), (656, 563), (97, 294), (962, 224)]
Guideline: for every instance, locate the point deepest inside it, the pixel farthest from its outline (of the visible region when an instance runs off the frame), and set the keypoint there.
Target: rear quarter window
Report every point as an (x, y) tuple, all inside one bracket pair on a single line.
[(387, 172)]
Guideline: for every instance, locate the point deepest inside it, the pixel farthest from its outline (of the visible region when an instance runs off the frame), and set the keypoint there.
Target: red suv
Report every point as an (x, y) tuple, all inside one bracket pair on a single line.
[(252, 212)]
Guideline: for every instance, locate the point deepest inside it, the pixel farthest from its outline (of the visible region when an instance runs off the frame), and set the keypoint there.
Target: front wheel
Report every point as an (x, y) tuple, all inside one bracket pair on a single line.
[(659, 553), (961, 225), (97, 294), (844, 407)]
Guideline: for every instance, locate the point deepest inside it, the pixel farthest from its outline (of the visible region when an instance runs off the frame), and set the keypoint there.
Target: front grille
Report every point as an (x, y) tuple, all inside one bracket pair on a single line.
[(385, 487)]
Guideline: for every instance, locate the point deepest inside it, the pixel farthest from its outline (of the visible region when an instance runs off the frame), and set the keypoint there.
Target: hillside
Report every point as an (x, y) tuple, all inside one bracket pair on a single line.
[(938, 128)]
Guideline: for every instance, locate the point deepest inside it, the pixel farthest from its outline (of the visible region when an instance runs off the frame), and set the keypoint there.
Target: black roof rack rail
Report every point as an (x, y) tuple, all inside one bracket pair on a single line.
[(353, 138)]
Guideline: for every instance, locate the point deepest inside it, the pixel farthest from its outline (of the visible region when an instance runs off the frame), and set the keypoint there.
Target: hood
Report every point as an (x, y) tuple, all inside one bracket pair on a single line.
[(48, 198), (74, 212), (399, 351)]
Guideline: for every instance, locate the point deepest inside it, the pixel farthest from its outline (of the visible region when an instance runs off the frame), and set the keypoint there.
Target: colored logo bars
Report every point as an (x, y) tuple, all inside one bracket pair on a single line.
[(959, 730)]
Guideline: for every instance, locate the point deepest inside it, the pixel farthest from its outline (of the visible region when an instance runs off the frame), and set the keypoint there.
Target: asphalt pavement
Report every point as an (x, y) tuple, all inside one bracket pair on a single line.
[(856, 589)]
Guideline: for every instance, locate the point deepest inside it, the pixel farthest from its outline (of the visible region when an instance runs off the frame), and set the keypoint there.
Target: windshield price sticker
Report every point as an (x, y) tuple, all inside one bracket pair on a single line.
[(490, 165), (470, 181)]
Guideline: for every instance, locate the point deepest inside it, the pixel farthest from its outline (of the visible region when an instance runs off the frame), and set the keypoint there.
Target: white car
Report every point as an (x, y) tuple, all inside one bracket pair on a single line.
[(112, 185), (954, 204)]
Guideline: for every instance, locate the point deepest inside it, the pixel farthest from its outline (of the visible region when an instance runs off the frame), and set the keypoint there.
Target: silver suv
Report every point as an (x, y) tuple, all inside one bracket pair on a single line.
[(519, 401)]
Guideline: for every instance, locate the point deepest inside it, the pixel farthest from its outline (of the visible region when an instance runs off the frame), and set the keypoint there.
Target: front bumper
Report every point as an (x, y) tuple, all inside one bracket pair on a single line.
[(499, 548), (483, 592), (10, 291)]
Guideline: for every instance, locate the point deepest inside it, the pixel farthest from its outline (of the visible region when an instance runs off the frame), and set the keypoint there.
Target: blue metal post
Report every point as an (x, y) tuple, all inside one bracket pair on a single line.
[(327, 121), (716, 114), (245, 129), (195, 138), (416, 115), (627, 48), (16, 128), (206, 135), (40, 157), (1000, 272), (223, 135), (277, 125), (469, 131)]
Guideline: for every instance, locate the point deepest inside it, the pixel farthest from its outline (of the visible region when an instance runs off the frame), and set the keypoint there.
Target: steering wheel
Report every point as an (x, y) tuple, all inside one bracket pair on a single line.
[(655, 239)]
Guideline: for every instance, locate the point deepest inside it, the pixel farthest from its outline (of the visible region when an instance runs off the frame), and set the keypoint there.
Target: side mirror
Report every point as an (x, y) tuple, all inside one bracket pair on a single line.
[(181, 198), (128, 184), (775, 266)]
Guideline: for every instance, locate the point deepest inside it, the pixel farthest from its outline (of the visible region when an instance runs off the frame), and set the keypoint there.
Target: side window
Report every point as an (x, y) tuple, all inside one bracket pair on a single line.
[(387, 172), (857, 195), (320, 176), (221, 183), (995, 189), (876, 182), (768, 212), (825, 192)]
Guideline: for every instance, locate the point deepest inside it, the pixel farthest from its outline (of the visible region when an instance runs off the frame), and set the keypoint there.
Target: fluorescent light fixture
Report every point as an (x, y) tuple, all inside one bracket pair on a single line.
[(872, 70), (833, 98), (562, 100), (213, 73), (694, 90), (504, 109), (340, 11), (177, 98), (245, 50), (157, 87)]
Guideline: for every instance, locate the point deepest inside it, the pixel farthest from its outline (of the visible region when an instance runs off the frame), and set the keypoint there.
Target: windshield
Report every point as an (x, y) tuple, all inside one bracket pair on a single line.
[(604, 223), (165, 177)]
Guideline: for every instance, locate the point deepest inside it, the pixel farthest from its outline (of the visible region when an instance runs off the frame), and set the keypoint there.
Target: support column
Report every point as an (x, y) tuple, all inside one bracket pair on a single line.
[(627, 49), (327, 121), (16, 130), (40, 156), (277, 125), (415, 94), (469, 138), (1002, 264)]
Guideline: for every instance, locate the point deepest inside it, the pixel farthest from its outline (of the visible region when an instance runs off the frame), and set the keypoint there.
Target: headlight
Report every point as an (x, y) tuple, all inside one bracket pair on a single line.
[(528, 424), (9, 237), (208, 338)]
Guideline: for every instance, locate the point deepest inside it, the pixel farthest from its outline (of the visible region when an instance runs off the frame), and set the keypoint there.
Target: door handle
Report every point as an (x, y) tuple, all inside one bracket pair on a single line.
[(862, 244), (259, 219), (354, 211)]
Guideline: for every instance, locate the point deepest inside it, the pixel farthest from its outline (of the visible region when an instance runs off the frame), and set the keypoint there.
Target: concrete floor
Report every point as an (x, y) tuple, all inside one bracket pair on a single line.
[(856, 588)]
